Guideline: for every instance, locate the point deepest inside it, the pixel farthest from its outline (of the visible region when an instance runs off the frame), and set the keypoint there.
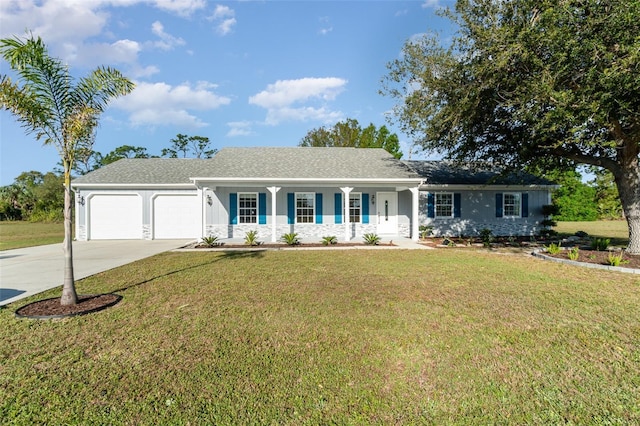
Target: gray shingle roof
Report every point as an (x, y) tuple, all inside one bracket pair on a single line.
[(447, 173), (309, 163), (148, 171), (260, 163)]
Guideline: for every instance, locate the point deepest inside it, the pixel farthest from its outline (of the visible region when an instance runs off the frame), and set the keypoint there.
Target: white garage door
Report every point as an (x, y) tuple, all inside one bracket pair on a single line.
[(176, 216), (115, 217)]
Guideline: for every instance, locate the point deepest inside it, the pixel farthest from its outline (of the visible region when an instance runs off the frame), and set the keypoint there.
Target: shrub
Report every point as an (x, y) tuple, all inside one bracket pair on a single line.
[(251, 238), (616, 259), (574, 253), (581, 234), (550, 209), (330, 239), (425, 231), (553, 248), (211, 241), (600, 244), (371, 239), (486, 235), (291, 239)]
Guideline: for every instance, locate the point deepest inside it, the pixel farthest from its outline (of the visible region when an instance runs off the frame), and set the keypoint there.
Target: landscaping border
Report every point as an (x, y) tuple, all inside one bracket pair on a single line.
[(537, 253)]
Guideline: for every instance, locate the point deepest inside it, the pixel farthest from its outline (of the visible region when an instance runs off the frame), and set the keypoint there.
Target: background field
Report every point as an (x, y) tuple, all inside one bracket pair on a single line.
[(346, 337), (15, 234), (616, 230)]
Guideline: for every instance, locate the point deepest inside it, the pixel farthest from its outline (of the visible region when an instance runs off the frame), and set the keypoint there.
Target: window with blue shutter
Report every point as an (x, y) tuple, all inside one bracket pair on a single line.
[(525, 204), (262, 208), (365, 208), (338, 207), (318, 208), (233, 208), (499, 205), (456, 204), (291, 208), (431, 205)]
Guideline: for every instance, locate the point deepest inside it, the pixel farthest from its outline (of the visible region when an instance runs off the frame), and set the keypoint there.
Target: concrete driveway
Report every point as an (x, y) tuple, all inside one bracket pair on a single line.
[(28, 271)]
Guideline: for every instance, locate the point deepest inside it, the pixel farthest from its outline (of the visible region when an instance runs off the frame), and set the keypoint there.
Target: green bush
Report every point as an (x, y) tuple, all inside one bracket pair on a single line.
[(486, 235), (616, 259), (600, 244), (574, 253), (251, 238), (291, 239), (553, 248), (371, 239), (47, 216), (329, 240), (211, 241), (425, 231)]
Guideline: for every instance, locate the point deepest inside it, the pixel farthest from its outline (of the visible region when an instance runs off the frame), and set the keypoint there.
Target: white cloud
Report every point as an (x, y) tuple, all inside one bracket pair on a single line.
[(161, 104), (167, 41), (431, 3), (279, 99), (326, 26), (179, 7), (224, 19), (240, 128), (66, 25)]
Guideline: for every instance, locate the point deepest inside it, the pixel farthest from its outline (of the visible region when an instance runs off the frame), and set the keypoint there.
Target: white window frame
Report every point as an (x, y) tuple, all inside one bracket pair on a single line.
[(358, 196), (311, 196), (516, 204), (436, 204), (254, 213)]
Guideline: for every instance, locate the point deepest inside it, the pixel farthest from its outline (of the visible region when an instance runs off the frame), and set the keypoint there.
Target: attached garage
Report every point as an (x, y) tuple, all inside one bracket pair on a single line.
[(115, 217), (176, 216)]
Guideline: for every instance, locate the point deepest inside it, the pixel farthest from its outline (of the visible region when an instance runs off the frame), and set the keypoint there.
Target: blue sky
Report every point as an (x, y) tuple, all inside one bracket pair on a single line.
[(243, 73)]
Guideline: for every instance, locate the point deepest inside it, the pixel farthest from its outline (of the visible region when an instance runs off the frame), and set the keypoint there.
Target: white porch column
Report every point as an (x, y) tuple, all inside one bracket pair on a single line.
[(202, 192), (415, 200), (274, 223), (346, 190)]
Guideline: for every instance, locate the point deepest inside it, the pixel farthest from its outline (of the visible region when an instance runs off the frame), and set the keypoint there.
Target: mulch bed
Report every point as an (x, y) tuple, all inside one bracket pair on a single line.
[(283, 246), (600, 258), (51, 308)]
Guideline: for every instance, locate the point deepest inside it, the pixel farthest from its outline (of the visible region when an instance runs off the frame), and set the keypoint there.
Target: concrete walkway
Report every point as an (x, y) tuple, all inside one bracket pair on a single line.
[(28, 271)]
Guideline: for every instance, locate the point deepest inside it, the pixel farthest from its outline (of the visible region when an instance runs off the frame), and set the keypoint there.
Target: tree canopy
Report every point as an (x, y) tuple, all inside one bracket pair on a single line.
[(348, 133), (548, 83), (184, 146), (58, 110)]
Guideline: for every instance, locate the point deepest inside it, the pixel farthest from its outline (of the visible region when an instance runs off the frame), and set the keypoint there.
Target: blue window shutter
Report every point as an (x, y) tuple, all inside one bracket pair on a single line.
[(525, 204), (338, 208), (431, 208), (262, 208), (456, 204), (365, 208), (318, 207), (233, 208), (499, 205), (291, 208)]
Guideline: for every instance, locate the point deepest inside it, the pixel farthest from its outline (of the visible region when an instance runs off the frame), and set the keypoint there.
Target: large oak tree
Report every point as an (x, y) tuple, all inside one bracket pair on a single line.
[(60, 111), (530, 83)]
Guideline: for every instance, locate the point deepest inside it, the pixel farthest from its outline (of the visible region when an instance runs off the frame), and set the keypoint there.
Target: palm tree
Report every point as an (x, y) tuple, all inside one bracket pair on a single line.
[(48, 103)]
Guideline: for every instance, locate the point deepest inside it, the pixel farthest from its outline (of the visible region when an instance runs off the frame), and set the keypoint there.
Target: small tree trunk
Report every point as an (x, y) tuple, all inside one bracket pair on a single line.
[(69, 296), (628, 183)]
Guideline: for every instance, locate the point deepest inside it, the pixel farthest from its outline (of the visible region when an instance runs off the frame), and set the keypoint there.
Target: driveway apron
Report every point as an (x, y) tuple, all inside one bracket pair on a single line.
[(28, 271)]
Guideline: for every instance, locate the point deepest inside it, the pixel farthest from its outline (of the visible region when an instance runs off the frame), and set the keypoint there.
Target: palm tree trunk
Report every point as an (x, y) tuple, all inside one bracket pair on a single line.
[(69, 296)]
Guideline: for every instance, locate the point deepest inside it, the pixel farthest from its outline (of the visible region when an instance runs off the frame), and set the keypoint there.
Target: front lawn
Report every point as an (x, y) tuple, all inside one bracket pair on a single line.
[(338, 337)]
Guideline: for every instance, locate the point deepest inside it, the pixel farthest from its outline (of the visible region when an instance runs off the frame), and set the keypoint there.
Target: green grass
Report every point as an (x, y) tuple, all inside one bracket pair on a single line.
[(616, 230), (340, 337), (15, 235)]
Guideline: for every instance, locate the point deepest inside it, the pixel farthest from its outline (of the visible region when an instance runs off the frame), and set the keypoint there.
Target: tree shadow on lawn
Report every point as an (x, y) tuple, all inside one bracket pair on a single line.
[(223, 257), (52, 309)]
